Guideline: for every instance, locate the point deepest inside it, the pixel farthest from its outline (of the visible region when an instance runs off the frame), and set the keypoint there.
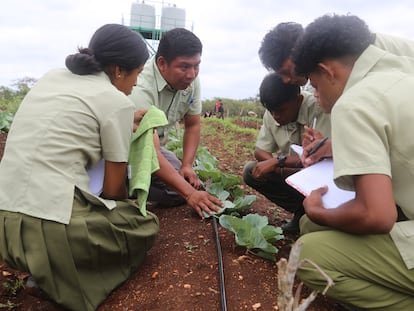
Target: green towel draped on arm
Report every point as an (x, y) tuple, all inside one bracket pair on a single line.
[(143, 157)]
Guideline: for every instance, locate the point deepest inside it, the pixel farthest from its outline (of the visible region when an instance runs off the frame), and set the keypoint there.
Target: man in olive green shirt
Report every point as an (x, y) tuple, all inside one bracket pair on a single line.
[(170, 82), (288, 111), (365, 245)]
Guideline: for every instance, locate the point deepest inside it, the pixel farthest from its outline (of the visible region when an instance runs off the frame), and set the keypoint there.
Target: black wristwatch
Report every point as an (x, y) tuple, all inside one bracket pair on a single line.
[(282, 159)]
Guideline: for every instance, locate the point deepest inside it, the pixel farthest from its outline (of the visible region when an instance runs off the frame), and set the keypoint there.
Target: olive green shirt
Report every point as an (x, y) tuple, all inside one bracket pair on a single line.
[(153, 89), (65, 125), (372, 126), (276, 138)]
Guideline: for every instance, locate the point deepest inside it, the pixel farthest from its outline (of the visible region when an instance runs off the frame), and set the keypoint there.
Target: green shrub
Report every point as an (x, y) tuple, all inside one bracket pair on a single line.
[(6, 119)]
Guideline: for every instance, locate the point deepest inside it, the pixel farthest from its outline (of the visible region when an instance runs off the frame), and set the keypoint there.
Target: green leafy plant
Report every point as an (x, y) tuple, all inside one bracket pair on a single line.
[(224, 186), (12, 286), (9, 305), (253, 232), (234, 207), (6, 119)]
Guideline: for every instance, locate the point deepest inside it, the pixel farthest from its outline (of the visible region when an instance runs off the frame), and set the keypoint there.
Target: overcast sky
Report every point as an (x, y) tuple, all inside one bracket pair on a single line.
[(36, 36)]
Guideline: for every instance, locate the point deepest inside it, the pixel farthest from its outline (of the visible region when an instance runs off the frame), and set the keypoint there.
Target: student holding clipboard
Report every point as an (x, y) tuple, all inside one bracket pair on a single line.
[(366, 244)]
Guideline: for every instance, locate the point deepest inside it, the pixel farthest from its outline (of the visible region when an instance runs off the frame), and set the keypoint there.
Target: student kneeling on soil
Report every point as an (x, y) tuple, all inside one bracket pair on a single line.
[(77, 246), (288, 111), (365, 245)]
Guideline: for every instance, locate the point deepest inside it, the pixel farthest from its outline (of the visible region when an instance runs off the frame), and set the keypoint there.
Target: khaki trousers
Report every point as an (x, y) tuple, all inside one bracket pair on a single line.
[(367, 270)]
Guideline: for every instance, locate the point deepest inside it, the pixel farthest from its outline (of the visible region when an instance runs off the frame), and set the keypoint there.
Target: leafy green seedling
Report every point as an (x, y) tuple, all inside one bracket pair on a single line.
[(9, 305), (6, 119), (239, 204), (253, 232), (13, 286)]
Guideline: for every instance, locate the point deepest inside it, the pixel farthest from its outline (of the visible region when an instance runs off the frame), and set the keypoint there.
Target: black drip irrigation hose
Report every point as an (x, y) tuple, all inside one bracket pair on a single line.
[(220, 266)]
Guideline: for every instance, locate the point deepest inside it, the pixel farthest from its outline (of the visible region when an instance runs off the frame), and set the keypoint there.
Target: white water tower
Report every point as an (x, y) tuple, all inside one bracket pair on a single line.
[(142, 15), (172, 17), (151, 20)]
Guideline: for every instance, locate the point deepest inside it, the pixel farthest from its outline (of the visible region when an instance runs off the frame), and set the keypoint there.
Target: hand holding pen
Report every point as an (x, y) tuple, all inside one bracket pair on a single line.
[(310, 135), (317, 146), (316, 151)]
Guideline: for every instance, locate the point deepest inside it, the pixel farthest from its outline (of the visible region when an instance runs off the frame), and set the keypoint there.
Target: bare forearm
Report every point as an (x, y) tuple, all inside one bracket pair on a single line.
[(262, 155), (192, 130), (191, 141), (114, 186)]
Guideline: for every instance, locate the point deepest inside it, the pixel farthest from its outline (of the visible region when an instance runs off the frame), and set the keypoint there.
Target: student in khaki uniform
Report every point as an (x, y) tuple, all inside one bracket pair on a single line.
[(366, 244), (287, 112), (77, 247)]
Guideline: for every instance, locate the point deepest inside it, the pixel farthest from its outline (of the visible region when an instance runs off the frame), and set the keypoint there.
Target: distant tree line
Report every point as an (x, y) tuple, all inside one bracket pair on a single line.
[(11, 97)]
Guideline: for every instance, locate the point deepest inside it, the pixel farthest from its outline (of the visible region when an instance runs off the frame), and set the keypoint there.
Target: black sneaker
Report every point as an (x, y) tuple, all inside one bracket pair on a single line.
[(293, 225), (31, 288)]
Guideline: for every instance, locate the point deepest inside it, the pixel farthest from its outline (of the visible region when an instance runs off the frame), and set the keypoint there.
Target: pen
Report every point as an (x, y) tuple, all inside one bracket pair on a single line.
[(314, 123), (317, 146), (313, 127)]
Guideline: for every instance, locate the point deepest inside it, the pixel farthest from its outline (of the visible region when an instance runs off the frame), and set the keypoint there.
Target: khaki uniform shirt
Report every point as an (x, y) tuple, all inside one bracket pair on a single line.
[(372, 126), (64, 126), (276, 138), (395, 45), (152, 89)]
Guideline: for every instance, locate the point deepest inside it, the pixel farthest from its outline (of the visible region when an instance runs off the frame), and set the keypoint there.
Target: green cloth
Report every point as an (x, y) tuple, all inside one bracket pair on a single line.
[(143, 156)]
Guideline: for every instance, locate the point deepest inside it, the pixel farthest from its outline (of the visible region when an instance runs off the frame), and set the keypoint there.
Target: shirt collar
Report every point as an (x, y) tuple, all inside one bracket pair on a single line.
[(161, 82), (364, 64)]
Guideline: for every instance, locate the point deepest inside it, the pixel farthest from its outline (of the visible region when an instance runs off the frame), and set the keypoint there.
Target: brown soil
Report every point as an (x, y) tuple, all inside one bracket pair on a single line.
[(3, 137), (181, 271)]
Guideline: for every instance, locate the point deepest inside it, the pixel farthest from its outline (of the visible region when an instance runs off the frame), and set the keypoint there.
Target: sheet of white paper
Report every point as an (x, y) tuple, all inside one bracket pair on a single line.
[(297, 149), (96, 175), (319, 175)]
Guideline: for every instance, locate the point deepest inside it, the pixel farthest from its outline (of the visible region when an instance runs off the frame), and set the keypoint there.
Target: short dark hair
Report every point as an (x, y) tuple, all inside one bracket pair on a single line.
[(178, 42), (274, 92), (111, 44), (278, 43), (330, 36)]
